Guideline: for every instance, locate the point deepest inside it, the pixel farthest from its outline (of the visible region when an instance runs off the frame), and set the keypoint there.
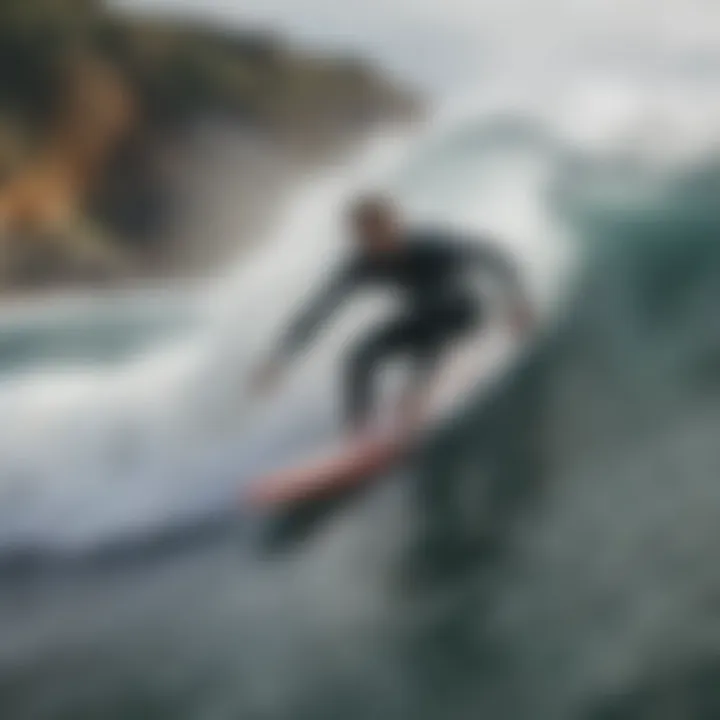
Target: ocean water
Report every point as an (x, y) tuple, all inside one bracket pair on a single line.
[(565, 521)]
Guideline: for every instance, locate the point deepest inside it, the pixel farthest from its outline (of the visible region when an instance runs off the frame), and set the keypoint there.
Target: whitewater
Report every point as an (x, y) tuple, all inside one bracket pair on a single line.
[(115, 420)]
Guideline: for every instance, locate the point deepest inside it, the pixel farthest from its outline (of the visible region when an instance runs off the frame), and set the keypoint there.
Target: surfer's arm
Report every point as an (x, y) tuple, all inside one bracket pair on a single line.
[(309, 321), (303, 327), (502, 268)]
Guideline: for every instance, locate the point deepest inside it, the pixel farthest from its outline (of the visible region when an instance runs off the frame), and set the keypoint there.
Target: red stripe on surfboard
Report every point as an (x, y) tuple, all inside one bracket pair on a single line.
[(349, 466)]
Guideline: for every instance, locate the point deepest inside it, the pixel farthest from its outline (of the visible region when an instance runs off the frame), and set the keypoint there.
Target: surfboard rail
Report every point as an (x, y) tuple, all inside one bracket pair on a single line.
[(348, 465)]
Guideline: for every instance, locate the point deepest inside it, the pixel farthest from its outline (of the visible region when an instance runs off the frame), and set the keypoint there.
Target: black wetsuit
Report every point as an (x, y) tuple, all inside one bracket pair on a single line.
[(429, 272)]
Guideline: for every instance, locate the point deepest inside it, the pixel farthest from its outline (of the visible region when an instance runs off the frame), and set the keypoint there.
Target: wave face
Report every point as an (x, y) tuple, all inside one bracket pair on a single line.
[(571, 527), (590, 475)]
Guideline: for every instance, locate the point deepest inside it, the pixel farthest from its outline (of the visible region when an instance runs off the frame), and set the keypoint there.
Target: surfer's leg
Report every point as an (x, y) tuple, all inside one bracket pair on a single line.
[(425, 359), (425, 337), (429, 338), (365, 359)]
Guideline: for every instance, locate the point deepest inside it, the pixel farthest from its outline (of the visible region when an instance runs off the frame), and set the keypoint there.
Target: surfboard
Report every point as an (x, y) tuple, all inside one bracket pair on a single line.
[(356, 462), (344, 467)]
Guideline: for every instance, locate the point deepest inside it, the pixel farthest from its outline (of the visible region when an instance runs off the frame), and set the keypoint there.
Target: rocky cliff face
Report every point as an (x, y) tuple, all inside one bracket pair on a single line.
[(98, 115)]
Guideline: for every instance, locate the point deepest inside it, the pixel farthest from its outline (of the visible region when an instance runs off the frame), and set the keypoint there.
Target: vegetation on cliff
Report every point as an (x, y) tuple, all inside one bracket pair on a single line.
[(89, 100)]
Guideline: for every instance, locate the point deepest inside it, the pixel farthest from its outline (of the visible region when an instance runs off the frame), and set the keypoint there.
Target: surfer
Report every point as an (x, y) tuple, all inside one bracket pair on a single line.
[(429, 271)]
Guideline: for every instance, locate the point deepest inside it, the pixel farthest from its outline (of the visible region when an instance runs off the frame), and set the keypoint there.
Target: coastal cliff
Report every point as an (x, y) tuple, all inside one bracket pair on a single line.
[(104, 128)]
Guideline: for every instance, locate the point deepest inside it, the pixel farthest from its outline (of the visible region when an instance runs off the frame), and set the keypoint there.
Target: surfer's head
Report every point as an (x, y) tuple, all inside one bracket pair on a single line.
[(376, 223)]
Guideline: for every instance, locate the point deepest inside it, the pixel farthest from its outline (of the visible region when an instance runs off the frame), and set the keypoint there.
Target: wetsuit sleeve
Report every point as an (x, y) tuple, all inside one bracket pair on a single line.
[(484, 256), (306, 324)]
